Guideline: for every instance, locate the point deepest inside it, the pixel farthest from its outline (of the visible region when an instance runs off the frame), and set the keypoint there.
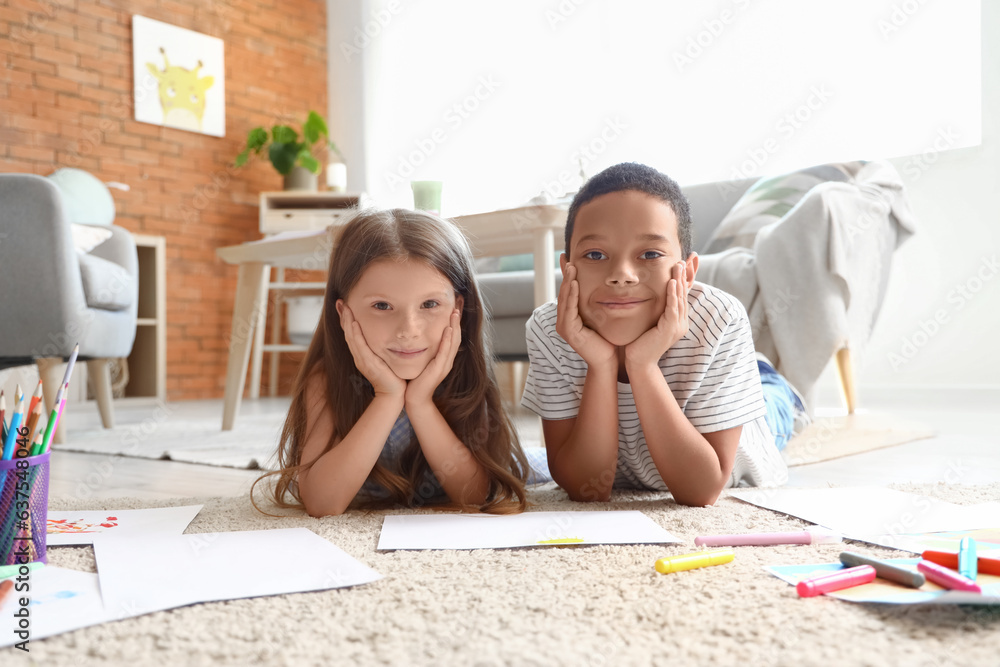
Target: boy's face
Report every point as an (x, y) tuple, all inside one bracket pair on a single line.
[(624, 247)]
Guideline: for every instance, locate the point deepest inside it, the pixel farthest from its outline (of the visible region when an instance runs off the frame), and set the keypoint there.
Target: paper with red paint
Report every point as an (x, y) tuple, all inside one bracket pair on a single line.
[(76, 527)]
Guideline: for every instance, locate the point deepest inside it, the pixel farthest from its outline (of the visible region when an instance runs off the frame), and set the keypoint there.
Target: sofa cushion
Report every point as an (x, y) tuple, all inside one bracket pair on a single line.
[(106, 285), (88, 237), (769, 200), (510, 293)]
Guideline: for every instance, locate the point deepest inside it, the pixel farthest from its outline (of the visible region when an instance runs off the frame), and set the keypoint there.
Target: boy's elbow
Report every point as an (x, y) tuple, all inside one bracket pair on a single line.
[(587, 492), (697, 499), (590, 497)]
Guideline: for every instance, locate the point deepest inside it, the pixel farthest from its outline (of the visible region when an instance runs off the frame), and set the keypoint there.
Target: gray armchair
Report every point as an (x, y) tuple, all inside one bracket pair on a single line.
[(53, 296)]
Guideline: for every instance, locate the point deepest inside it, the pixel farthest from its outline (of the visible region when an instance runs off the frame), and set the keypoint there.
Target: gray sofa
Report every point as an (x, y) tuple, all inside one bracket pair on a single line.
[(55, 296), (812, 281)]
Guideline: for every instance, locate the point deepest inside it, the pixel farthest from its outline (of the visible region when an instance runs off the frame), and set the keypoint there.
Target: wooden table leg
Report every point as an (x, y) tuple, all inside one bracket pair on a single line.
[(257, 349), (251, 291), (545, 277)]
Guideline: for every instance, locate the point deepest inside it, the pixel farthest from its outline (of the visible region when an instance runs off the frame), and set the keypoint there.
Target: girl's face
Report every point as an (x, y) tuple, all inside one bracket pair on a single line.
[(403, 308)]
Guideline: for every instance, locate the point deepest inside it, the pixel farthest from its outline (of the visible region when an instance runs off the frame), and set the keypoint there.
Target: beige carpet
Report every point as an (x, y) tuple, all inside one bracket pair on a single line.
[(252, 442), (601, 605), (834, 437)]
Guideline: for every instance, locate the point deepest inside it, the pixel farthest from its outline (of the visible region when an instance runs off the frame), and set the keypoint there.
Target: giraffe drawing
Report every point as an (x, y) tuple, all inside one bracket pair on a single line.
[(182, 94)]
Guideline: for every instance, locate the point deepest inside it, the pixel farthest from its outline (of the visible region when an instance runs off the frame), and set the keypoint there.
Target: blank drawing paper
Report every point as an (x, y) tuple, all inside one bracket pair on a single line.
[(483, 531), (80, 527), (157, 572), (869, 511)]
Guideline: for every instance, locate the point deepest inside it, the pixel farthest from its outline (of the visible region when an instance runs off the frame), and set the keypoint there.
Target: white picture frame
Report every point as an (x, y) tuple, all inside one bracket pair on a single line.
[(179, 77)]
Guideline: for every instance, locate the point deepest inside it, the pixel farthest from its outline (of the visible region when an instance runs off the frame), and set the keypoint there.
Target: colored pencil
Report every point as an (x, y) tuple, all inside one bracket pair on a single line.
[(35, 398), (60, 402), (36, 413), (3, 416), (38, 437), (15, 422)]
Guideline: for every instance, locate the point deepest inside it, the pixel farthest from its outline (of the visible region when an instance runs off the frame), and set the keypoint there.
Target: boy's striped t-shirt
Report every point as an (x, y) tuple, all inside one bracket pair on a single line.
[(712, 373)]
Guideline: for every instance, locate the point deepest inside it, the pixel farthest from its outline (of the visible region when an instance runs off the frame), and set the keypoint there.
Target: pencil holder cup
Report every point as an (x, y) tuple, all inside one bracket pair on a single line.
[(24, 509)]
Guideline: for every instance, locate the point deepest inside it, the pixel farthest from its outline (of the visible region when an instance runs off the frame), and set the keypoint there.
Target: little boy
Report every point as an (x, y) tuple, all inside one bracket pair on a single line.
[(643, 377)]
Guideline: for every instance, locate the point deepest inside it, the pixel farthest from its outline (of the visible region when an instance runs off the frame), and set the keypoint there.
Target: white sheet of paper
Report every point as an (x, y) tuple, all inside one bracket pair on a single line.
[(76, 527), (482, 531), (870, 510), (166, 571), (61, 601)]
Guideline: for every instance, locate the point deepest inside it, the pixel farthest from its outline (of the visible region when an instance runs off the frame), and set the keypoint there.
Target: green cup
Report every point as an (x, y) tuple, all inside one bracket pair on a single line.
[(427, 196)]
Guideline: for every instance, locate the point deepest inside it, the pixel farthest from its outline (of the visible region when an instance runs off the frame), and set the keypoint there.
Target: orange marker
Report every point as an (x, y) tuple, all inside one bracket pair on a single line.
[(950, 559)]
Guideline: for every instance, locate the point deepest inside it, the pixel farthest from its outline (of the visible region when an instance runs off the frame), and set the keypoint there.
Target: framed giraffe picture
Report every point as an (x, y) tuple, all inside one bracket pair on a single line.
[(179, 77)]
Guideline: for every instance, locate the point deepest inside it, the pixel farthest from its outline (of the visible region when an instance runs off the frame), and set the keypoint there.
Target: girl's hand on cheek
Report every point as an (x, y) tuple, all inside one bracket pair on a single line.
[(375, 370), (420, 390), (671, 326)]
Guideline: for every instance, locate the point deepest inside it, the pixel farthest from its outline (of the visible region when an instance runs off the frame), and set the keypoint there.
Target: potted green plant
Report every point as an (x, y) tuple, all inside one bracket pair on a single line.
[(293, 157)]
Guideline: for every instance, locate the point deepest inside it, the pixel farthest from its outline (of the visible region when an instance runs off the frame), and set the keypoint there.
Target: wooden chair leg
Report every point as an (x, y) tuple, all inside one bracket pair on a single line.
[(51, 370), (99, 373), (846, 372)]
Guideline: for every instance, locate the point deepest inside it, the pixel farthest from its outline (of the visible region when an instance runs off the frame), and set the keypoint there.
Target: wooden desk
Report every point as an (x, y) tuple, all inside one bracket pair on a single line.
[(507, 232)]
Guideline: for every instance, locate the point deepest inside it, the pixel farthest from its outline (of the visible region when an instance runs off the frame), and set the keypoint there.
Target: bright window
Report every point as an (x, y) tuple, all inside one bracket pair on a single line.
[(504, 100)]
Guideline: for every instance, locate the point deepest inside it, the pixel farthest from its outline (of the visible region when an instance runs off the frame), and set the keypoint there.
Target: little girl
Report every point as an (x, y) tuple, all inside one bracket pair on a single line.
[(396, 401)]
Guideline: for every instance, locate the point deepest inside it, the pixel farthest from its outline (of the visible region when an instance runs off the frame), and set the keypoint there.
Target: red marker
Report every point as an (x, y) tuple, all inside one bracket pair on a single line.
[(835, 581)]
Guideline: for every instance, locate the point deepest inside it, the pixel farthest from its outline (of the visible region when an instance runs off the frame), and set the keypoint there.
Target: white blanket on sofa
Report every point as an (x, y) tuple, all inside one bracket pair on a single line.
[(815, 280)]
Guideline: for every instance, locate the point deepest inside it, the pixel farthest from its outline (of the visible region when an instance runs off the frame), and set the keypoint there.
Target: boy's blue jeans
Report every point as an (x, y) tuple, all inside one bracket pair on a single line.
[(780, 401)]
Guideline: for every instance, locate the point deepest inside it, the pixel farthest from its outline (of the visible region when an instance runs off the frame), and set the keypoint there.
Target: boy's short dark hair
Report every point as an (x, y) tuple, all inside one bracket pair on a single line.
[(641, 178)]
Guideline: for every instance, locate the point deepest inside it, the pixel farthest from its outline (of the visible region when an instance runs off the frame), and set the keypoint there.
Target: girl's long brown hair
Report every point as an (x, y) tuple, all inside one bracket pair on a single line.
[(468, 398)]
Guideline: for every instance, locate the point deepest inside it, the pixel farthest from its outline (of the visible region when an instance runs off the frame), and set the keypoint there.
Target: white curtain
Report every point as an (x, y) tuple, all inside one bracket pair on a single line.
[(504, 100)]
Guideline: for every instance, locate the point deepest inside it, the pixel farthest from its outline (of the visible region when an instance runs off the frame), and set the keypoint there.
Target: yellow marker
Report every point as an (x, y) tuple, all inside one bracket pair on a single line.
[(695, 560), (563, 540)]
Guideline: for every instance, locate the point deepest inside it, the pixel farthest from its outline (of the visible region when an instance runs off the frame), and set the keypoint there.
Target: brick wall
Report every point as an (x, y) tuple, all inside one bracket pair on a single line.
[(66, 100)]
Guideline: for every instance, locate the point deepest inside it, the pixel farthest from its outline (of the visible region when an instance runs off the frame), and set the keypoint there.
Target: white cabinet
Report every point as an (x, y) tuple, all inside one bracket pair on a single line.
[(292, 210)]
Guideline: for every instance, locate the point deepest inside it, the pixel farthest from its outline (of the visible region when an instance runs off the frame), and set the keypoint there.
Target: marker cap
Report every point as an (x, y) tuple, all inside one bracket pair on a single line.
[(822, 535)]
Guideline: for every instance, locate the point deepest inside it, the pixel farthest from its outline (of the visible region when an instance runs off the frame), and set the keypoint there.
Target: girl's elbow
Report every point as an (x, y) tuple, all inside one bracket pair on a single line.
[(318, 510)]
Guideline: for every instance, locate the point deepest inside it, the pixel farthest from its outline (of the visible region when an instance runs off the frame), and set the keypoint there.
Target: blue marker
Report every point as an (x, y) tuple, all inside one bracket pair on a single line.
[(968, 563)]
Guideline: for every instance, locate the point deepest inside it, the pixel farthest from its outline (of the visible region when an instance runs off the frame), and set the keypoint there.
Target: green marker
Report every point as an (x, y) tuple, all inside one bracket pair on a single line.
[(8, 571)]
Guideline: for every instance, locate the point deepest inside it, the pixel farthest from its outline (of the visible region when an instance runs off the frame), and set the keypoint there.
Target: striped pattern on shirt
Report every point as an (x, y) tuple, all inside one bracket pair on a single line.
[(712, 373)]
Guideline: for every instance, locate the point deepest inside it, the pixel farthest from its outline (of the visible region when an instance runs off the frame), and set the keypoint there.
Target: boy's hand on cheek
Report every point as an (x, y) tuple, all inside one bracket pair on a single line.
[(375, 370), (421, 388), (589, 344), (671, 326)]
